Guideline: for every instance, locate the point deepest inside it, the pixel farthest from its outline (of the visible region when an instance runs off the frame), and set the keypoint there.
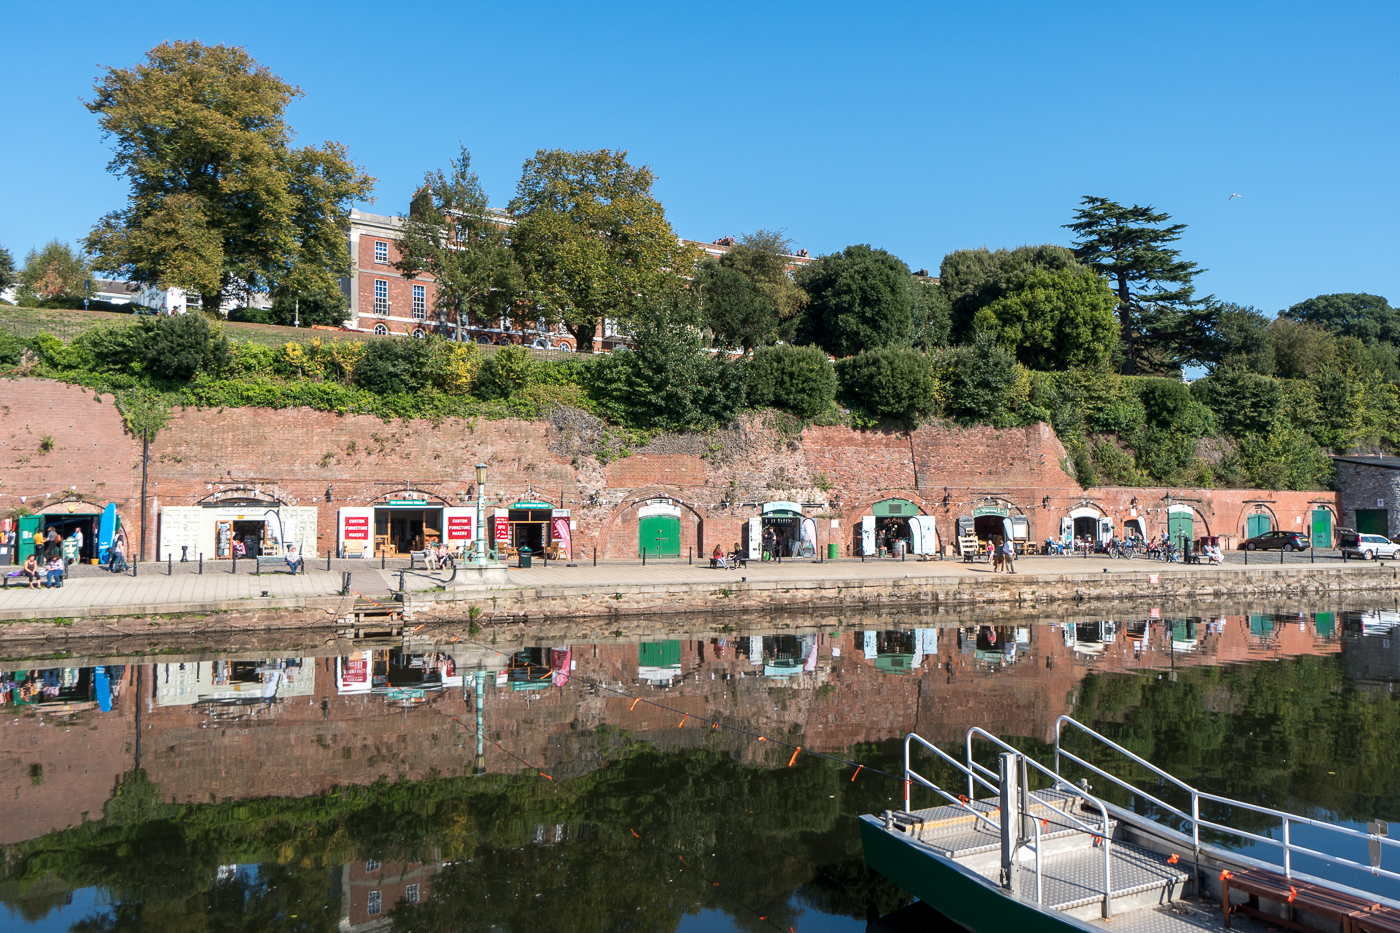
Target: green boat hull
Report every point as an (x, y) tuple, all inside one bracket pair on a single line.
[(958, 894)]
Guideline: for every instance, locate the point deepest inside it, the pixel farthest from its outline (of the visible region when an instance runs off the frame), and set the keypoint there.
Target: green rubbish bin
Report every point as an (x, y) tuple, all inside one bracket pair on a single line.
[(524, 558), (833, 551)]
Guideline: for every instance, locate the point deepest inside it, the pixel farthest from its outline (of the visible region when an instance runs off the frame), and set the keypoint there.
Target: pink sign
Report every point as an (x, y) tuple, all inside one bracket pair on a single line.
[(562, 538), (459, 528), (356, 671), (357, 528), (502, 528)]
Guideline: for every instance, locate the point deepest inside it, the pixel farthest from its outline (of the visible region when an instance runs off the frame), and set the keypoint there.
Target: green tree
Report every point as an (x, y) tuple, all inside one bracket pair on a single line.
[(1055, 320), (1243, 402), (1156, 303), (451, 234), (736, 311), (1369, 318), (9, 275), (763, 257), (218, 197), (1237, 336), (591, 240), (180, 347), (668, 380), (799, 379), (890, 382), (390, 367), (1285, 458), (971, 279), (983, 384), (858, 299), (1299, 348), (56, 271), (932, 316)]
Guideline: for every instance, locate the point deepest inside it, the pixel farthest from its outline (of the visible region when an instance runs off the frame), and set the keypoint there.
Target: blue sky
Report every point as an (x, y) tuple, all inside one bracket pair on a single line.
[(919, 128)]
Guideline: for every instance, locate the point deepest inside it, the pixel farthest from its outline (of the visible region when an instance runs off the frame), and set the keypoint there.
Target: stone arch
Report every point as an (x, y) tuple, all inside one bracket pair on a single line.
[(78, 500), (429, 491), (851, 516), (259, 492), (1254, 507), (618, 536)]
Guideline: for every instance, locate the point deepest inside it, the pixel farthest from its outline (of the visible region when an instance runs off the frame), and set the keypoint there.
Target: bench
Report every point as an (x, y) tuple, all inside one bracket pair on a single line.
[(272, 564), (971, 549), (1294, 896)]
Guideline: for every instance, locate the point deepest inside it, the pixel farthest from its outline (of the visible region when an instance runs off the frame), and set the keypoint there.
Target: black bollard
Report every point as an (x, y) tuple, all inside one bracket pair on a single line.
[(401, 586), (235, 562), (644, 557), (381, 558), (328, 558), (1280, 555), (169, 565), (595, 556), (1246, 555), (689, 556), (201, 563)]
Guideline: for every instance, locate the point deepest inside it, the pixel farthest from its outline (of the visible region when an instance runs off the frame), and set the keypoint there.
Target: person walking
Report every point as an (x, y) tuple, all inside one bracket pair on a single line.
[(78, 541), (1008, 550), (52, 542), (116, 556)]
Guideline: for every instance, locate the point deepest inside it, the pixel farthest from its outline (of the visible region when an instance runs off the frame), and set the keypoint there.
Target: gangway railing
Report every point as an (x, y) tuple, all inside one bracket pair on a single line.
[(1376, 841), (971, 769)]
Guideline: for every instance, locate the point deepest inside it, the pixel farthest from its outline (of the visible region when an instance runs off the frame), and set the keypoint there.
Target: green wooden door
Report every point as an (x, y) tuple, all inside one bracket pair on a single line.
[(1373, 522), (659, 535), (1180, 527), (1256, 525), (1321, 528), (28, 524)]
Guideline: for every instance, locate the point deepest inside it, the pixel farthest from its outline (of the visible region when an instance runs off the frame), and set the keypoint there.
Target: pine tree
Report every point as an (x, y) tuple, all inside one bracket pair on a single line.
[(1156, 302)]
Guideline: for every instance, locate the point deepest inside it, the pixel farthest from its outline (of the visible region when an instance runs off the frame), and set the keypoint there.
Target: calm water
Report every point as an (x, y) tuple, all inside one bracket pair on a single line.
[(446, 783)]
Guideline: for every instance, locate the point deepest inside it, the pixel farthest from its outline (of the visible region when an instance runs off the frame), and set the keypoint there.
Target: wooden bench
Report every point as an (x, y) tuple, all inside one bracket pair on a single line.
[(1294, 896), (971, 549)]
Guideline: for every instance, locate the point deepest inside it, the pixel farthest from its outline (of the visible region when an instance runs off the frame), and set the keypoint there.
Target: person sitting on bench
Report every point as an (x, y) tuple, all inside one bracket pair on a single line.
[(293, 558), (717, 559)]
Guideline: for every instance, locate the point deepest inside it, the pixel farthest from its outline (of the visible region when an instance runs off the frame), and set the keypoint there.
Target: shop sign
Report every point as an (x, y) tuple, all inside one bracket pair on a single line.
[(793, 507), (990, 510), (459, 528), (531, 504), (357, 528), (419, 502), (502, 528)]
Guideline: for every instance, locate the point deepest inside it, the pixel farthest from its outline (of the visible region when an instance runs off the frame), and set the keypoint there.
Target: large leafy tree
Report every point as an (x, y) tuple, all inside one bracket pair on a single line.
[(1054, 320), (1235, 335), (56, 271), (1130, 246), (971, 279), (748, 296), (451, 234), (219, 198), (591, 240), (858, 299), (1369, 318)]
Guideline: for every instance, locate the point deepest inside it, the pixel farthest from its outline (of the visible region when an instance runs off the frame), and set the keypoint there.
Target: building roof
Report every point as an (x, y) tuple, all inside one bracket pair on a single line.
[(1385, 463)]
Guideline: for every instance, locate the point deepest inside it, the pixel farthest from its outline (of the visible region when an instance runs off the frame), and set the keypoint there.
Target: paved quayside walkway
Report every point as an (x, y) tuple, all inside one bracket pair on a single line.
[(161, 587)]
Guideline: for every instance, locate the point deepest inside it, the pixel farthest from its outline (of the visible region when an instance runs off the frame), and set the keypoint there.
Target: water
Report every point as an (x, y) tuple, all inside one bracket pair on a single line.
[(333, 786)]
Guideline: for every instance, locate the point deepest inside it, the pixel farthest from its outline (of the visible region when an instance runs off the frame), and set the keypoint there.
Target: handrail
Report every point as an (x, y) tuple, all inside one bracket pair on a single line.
[(1059, 783), (1287, 819), (908, 771)]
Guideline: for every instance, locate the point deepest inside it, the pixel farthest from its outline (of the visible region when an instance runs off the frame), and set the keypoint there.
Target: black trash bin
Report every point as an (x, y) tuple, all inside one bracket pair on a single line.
[(524, 558)]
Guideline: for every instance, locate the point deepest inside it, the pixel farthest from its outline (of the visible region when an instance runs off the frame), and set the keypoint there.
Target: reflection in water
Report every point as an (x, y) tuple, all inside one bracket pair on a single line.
[(448, 784)]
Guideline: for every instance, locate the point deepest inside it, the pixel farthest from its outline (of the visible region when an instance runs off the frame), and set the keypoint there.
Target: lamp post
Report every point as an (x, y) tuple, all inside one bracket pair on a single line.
[(481, 513)]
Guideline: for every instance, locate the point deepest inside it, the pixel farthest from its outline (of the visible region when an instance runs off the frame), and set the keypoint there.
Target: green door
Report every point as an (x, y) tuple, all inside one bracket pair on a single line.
[(1321, 528), (1180, 526), (1373, 522), (659, 535), (1326, 623), (28, 524), (1256, 525)]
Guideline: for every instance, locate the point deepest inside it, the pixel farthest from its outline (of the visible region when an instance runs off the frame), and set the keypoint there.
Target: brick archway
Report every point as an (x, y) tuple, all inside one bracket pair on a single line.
[(618, 538)]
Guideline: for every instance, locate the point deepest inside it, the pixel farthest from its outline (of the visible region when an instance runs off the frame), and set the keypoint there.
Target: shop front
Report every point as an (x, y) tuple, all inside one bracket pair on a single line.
[(1085, 525), (66, 519), (234, 528), (528, 523), (895, 525), (992, 522), (780, 530), (398, 526)]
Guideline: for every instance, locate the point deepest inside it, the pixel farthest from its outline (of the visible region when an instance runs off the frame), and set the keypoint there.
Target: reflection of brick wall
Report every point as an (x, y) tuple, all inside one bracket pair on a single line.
[(391, 881)]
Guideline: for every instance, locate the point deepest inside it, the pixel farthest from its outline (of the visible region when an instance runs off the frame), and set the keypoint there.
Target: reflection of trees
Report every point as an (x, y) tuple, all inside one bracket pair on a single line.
[(1262, 733)]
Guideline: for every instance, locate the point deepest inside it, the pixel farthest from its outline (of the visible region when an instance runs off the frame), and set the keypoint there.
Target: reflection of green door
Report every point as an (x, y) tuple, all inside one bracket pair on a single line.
[(28, 524), (1180, 526), (659, 653), (659, 535), (1321, 528), (1260, 624), (1256, 525), (1373, 522), (1326, 623)]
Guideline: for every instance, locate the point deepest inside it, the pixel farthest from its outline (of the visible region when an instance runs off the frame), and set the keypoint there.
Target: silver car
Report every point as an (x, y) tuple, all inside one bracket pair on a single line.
[(1372, 547)]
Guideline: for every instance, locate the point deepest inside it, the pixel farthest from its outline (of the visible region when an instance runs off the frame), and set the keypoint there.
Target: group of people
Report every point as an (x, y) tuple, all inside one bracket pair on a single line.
[(46, 561), (1001, 552)]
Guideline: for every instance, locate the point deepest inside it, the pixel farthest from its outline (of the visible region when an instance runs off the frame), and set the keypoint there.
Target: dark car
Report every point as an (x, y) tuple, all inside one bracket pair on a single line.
[(1276, 540)]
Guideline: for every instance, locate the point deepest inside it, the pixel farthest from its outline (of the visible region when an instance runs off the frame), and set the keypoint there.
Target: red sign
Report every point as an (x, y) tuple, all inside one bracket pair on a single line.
[(357, 528), (502, 528), (356, 671), (459, 528)]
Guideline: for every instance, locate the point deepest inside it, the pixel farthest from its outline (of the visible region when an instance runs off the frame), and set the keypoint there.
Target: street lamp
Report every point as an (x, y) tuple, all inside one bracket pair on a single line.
[(481, 513)]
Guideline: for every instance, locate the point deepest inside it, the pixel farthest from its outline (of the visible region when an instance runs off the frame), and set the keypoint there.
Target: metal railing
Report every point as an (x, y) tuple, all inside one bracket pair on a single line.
[(1376, 842), (971, 769)]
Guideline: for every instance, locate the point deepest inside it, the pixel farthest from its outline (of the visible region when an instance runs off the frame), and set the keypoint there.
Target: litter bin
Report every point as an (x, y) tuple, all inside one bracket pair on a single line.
[(833, 551), (524, 558)]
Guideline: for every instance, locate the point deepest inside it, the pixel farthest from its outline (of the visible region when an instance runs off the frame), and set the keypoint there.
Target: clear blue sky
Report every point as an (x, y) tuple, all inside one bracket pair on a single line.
[(919, 128)]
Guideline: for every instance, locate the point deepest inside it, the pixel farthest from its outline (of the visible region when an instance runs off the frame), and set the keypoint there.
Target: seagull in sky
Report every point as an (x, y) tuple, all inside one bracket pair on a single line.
[(1233, 196)]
